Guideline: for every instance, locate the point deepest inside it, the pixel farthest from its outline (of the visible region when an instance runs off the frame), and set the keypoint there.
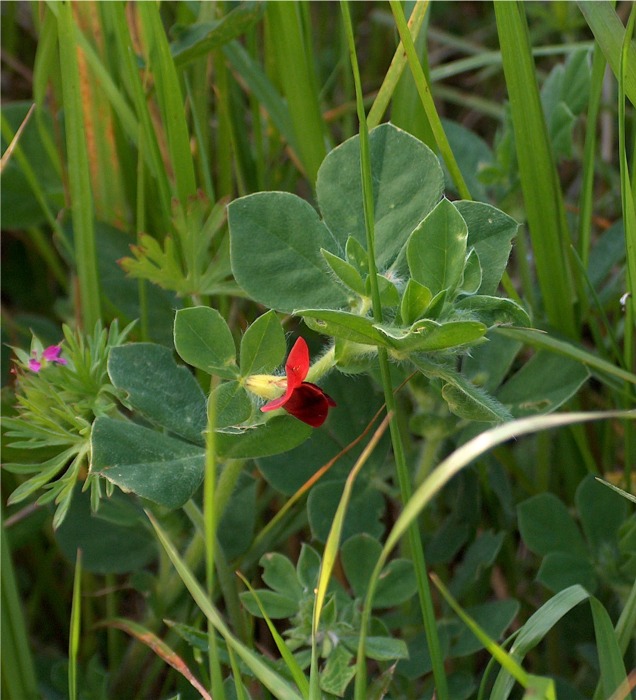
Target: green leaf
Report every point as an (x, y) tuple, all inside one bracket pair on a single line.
[(415, 301), (276, 239), (560, 570), (280, 575), (200, 38), (490, 233), (542, 385), (546, 526), (610, 657), (471, 281), (431, 336), (233, 405), (494, 311), (278, 606), (345, 272), (493, 617), (343, 324), (338, 672), (602, 514), (357, 255), (363, 514), (114, 540), (407, 183), (203, 339), (155, 466), (384, 648), (278, 434), (263, 346), (359, 555), (436, 250), (163, 392), (396, 584), (465, 397)]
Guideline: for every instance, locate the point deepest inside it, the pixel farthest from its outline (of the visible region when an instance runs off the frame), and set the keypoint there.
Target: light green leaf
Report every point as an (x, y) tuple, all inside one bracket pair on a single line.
[(415, 301), (471, 281), (203, 339), (436, 250), (343, 324), (430, 336), (494, 311), (276, 435), (233, 405), (263, 346), (346, 272)]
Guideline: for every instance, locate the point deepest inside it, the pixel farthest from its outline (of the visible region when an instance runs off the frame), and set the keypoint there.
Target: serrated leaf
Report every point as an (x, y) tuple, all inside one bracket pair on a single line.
[(203, 339)]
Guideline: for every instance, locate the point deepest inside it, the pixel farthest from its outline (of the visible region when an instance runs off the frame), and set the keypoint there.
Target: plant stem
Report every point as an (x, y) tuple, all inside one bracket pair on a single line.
[(415, 543)]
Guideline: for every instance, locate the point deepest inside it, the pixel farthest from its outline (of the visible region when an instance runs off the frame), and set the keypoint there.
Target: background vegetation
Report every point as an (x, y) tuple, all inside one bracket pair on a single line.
[(127, 128)]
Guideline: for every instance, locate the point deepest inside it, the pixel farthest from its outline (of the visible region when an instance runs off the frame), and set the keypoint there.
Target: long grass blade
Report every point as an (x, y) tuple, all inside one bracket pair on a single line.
[(75, 629), (537, 170), (268, 677), (78, 171)]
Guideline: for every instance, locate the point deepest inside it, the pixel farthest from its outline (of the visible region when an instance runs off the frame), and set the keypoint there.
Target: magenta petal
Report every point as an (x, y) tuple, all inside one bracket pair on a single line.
[(51, 353), (35, 365)]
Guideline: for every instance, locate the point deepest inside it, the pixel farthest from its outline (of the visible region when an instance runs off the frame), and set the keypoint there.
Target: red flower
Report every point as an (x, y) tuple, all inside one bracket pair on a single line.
[(303, 400)]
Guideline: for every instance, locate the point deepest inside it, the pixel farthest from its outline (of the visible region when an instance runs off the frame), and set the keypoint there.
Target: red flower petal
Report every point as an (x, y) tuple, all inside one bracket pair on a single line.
[(310, 404), (297, 364)]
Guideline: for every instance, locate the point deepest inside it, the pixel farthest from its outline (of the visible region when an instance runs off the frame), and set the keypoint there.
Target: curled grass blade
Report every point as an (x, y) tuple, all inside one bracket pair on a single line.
[(451, 466)]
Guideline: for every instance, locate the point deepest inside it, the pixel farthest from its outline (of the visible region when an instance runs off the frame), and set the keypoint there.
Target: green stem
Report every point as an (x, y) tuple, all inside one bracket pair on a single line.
[(415, 543)]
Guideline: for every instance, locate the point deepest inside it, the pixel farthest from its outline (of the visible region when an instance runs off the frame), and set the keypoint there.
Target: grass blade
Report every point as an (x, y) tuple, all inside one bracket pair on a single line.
[(537, 170), (269, 678), (74, 634), (78, 170)]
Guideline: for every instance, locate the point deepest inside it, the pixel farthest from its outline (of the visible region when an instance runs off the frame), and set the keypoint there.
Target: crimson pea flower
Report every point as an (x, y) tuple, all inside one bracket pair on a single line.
[(301, 399), (50, 354)]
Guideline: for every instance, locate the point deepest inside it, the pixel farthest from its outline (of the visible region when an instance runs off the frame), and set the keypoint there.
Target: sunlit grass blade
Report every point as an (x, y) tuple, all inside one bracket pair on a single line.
[(78, 170), (75, 629), (542, 195), (288, 33), (269, 678), (285, 652), (160, 648)]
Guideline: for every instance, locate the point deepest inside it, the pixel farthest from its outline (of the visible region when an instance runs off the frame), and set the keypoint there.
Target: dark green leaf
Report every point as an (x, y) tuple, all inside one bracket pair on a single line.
[(415, 302), (276, 605), (146, 462), (280, 575), (560, 570), (233, 405), (359, 555), (276, 435), (166, 394)]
